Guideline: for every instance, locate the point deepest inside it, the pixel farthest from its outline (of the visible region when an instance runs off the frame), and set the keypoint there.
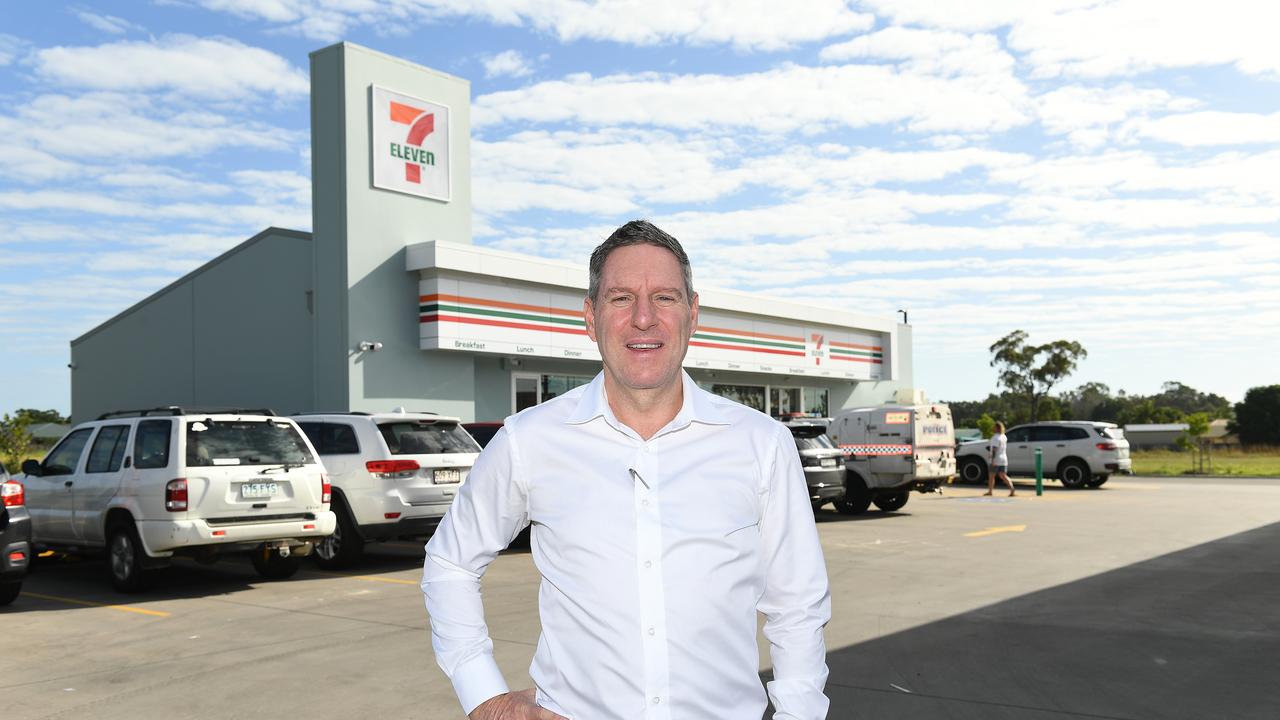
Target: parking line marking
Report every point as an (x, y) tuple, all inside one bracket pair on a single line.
[(371, 578), (995, 530), (90, 603)]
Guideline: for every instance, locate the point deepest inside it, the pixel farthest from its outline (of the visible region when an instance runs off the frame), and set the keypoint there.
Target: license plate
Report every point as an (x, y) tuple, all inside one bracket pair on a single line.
[(829, 462), (448, 476), (259, 489)]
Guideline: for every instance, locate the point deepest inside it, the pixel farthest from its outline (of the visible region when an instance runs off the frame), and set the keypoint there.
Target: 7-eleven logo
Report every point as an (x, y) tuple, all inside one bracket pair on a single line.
[(817, 347), (421, 124)]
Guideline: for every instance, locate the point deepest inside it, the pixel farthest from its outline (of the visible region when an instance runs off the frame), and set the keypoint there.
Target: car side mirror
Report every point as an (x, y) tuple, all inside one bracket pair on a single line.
[(31, 467)]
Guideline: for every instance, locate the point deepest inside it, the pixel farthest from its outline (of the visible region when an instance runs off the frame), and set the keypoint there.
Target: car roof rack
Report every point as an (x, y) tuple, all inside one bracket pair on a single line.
[(333, 412), (174, 410)]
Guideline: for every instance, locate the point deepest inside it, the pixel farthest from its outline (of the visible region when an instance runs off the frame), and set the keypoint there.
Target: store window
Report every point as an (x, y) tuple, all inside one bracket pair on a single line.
[(529, 389), (784, 401), (815, 401), (752, 396)]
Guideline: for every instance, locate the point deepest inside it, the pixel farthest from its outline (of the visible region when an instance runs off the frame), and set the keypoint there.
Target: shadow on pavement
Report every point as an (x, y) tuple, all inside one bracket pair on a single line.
[(1189, 635)]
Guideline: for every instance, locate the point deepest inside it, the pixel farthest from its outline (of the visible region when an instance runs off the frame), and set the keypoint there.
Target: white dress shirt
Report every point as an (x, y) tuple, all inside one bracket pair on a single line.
[(655, 557)]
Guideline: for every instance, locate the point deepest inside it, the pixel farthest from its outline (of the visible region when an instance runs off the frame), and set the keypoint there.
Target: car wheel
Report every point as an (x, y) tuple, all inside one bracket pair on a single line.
[(1074, 473), (9, 592), (124, 558), (889, 503), (271, 565), (1099, 480), (856, 498), (344, 546), (973, 470)]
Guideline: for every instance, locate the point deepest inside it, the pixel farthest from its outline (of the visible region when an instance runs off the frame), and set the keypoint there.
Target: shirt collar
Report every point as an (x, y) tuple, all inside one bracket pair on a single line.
[(698, 406)]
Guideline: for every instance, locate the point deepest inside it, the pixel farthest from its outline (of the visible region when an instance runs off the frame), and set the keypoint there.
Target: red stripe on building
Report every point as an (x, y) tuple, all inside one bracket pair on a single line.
[(500, 323), (699, 343)]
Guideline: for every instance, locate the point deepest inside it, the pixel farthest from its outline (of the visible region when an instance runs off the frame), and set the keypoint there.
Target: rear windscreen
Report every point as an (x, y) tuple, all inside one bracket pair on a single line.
[(816, 442), (1114, 433), (407, 437), (244, 442)]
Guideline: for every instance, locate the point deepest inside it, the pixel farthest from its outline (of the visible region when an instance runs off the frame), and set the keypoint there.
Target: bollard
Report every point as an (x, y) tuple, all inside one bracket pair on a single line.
[(1039, 472)]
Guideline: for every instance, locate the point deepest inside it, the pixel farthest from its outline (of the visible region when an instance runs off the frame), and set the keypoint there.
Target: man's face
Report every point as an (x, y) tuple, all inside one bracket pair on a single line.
[(642, 320)]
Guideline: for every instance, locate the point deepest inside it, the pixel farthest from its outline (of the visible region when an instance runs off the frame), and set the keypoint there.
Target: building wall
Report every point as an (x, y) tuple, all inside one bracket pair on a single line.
[(237, 331), (363, 290)]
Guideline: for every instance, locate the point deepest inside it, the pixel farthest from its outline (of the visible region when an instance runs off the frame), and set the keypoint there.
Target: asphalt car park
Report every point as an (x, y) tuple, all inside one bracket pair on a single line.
[(1146, 598)]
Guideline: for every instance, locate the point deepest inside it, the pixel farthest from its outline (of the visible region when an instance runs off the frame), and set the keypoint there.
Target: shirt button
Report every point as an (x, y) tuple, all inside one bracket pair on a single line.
[(648, 563), (656, 700), (644, 503), (652, 631)]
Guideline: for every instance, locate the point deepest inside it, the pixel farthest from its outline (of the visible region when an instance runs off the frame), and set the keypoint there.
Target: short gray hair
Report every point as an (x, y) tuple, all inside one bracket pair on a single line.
[(638, 232)]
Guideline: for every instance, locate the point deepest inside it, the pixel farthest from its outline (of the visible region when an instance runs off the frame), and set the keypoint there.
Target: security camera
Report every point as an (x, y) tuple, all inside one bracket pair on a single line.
[(366, 346)]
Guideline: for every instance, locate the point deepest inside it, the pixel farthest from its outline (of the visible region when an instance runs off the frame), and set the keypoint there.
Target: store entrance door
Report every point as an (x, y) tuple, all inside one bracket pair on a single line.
[(525, 391)]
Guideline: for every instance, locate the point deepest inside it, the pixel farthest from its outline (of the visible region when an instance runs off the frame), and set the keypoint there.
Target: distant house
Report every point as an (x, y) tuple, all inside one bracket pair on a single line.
[(1154, 435), (1165, 435), (47, 433)]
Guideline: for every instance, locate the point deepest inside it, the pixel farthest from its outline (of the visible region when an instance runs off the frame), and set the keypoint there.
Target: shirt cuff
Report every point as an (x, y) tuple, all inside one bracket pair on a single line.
[(477, 680)]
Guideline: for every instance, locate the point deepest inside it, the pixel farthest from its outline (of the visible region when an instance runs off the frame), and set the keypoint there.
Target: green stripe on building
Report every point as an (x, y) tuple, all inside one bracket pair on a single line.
[(438, 307), (747, 341)]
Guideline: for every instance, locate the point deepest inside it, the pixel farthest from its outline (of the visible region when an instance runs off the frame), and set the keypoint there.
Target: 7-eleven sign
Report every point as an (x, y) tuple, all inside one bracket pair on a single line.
[(410, 144)]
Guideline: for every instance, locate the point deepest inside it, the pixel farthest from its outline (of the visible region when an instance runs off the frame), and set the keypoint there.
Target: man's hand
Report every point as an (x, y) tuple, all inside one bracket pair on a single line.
[(513, 706)]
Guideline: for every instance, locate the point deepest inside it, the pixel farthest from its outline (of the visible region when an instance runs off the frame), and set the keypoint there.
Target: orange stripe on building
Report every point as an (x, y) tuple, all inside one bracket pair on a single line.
[(499, 304), (704, 328), (403, 113), (740, 348), (501, 323), (852, 346)]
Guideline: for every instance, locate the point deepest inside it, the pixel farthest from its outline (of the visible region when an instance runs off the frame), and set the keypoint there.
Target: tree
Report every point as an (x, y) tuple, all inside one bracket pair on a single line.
[(15, 440), (1084, 400), (1258, 416), (1031, 371), (1187, 400), (36, 417), (987, 425), (1193, 438)]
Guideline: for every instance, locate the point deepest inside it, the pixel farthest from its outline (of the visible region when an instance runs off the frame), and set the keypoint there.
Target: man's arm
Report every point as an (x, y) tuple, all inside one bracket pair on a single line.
[(797, 601), (490, 510)]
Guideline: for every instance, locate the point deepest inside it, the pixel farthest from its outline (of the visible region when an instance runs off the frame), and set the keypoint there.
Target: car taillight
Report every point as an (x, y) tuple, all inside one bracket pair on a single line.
[(326, 489), (175, 495), (392, 468), (1106, 446), (13, 492)]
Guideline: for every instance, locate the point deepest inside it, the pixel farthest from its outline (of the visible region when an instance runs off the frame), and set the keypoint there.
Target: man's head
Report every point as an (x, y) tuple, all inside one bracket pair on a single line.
[(641, 309)]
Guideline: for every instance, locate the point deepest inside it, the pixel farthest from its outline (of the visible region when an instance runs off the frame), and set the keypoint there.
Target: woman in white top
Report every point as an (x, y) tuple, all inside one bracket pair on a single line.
[(999, 458)]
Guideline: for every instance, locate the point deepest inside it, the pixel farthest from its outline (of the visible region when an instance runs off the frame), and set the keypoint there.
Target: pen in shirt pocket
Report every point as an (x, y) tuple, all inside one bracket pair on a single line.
[(636, 476)]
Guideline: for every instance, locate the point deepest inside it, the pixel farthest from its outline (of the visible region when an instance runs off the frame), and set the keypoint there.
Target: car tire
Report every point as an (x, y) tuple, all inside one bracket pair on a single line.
[(9, 592), (125, 558), (1099, 480), (856, 498), (272, 566), (1074, 473), (892, 502), (345, 545), (973, 470)]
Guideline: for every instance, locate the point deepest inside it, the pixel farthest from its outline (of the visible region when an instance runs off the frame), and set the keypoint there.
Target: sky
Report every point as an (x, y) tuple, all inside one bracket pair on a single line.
[(1106, 171)]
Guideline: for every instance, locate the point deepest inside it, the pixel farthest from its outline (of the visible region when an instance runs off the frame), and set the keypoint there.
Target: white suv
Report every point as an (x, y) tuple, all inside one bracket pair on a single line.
[(394, 474), (146, 485), (1078, 452)]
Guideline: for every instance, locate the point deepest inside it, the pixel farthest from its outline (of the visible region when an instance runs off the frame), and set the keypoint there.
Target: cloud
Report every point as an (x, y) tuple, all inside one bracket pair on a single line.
[(1213, 128), (927, 51), (202, 68), (10, 48), (509, 63), (782, 100), (743, 24), (1088, 116), (106, 23)]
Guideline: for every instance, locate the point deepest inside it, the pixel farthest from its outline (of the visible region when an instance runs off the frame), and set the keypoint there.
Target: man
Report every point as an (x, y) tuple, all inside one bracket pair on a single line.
[(664, 517)]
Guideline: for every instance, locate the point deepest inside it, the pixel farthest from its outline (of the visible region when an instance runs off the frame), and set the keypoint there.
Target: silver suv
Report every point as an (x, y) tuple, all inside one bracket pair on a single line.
[(144, 485), (394, 474), (1079, 453)]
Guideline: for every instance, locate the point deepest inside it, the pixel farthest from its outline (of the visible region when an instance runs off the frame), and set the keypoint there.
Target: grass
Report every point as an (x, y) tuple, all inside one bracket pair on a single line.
[(1255, 461)]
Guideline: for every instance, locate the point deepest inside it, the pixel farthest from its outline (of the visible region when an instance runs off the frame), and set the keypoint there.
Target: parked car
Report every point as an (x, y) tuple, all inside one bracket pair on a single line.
[(483, 432), (15, 537), (394, 474), (1078, 453), (822, 461), (144, 485)]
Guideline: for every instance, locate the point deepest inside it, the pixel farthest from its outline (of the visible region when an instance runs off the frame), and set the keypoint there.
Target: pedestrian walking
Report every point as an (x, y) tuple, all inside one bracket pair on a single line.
[(998, 461)]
